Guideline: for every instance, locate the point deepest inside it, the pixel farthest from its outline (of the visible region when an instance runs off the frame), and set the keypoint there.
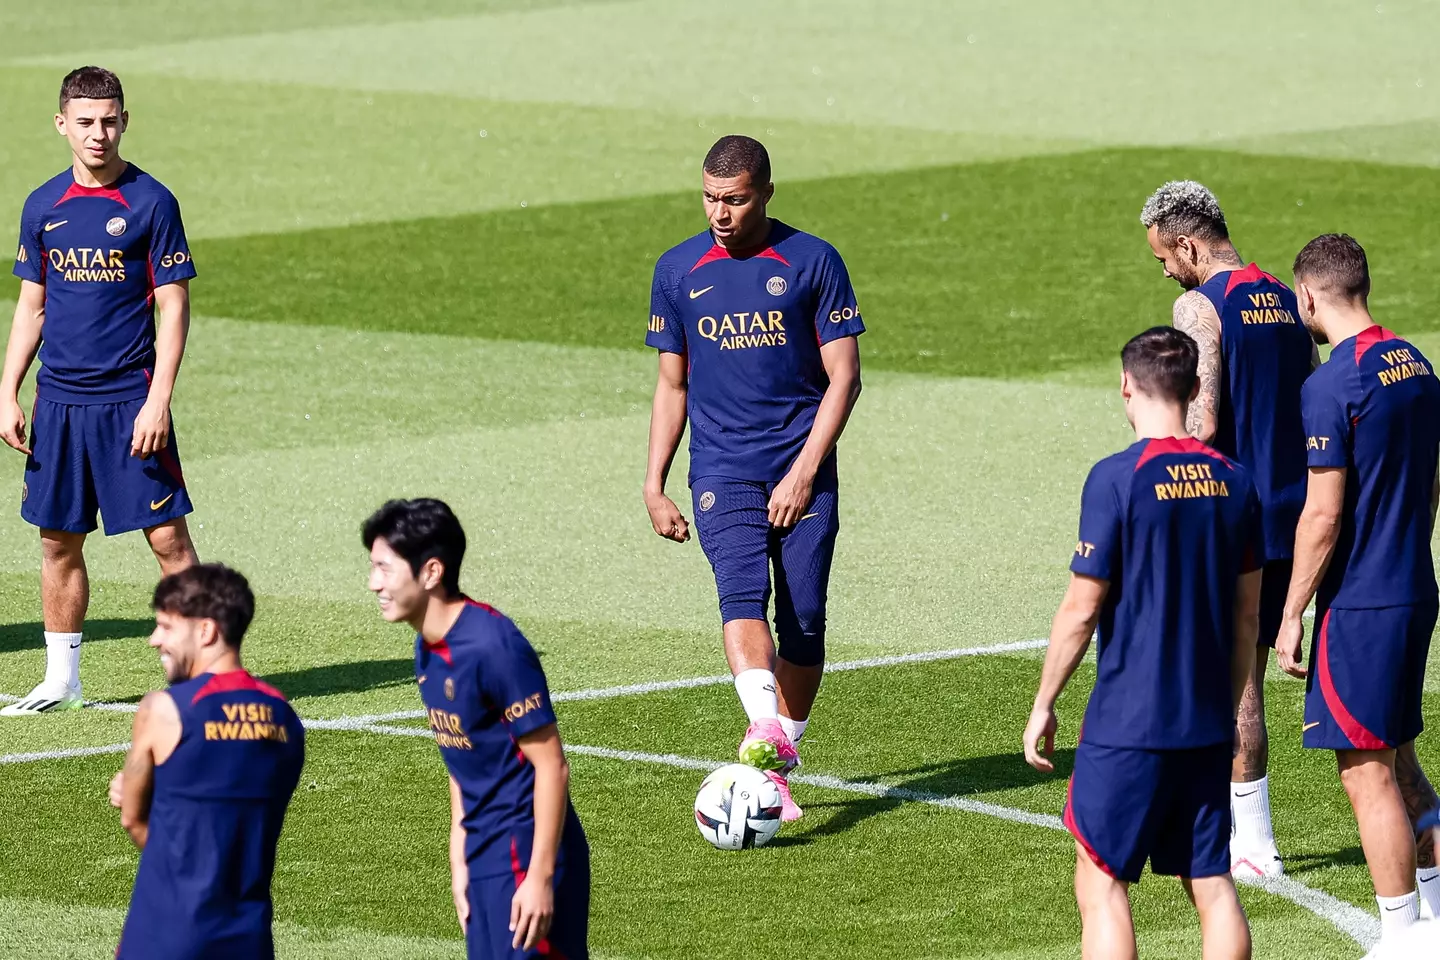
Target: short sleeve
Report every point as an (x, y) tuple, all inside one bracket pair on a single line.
[(170, 260), (515, 682), (30, 256), (667, 330), (1097, 554), (837, 313), (1327, 428)]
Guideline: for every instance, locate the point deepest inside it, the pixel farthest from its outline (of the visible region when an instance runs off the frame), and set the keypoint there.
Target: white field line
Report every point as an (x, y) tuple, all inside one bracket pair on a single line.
[(633, 689), (63, 754)]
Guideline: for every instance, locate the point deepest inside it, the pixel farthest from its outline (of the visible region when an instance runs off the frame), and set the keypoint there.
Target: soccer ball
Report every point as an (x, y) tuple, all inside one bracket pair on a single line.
[(737, 808)]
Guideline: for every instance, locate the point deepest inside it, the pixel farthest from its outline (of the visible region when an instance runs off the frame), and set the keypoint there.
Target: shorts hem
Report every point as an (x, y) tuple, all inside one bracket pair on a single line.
[(59, 527), (155, 520)]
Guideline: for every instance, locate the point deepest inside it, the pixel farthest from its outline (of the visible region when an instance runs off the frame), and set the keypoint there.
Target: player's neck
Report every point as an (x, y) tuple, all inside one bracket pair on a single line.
[(103, 177), (1157, 420), (224, 660), (1220, 259), (439, 617), (1341, 322)]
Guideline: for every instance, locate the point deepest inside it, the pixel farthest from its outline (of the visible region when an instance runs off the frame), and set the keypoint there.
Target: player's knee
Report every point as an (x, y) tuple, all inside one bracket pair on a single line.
[(802, 648), (59, 546), (172, 546)]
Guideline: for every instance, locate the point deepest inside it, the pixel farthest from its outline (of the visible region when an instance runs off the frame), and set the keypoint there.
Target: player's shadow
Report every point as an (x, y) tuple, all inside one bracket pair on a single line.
[(31, 636), (357, 677), (963, 778), (1347, 857)]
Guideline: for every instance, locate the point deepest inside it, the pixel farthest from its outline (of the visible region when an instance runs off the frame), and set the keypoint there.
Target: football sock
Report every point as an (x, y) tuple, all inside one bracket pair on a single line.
[(1428, 880), (795, 729), (1250, 808), (757, 694), (1398, 913), (62, 658)]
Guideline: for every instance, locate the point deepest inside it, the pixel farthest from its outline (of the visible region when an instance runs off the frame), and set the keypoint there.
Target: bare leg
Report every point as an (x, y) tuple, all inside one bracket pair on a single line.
[(1386, 833), (1107, 929), (172, 546), (1224, 930), (1419, 798), (797, 687), (1252, 739), (748, 646), (64, 582)]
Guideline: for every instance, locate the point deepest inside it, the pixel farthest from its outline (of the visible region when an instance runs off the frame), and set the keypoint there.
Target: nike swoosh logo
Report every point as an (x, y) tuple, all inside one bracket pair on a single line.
[(701, 293), (1242, 796), (1310, 726), (157, 504), (52, 226)]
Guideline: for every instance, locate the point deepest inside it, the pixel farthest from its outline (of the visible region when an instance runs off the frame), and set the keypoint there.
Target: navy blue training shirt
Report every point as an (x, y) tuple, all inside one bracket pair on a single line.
[(219, 802), (751, 330), (1374, 408), (1171, 524), (1266, 354), (100, 252), (484, 689)]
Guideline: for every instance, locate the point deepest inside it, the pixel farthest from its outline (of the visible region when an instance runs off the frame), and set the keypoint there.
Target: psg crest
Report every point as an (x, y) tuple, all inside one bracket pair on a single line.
[(449, 688), (776, 286), (115, 226)]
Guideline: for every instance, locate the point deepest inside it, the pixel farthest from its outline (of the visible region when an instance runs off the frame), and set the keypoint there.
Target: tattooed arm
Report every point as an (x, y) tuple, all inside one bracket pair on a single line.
[(1196, 316)]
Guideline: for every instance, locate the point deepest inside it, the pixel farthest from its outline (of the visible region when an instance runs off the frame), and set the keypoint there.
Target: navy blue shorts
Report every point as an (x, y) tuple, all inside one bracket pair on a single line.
[(488, 936), (80, 464), (1367, 675), (732, 520), (1274, 586), (1170, 807)]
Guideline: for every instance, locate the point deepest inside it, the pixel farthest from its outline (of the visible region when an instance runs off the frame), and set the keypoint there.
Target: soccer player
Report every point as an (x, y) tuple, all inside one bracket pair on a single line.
[(1362, 550), (756, 324), (212, 765), (1254, 357), (519, 861), (1168, 566), (101, 248)]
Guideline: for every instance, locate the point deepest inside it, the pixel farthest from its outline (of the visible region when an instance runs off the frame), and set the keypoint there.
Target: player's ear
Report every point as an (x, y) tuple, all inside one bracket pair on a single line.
[(1125, 389), (768, 192), (60, 124), (124, 120), (432, 574)]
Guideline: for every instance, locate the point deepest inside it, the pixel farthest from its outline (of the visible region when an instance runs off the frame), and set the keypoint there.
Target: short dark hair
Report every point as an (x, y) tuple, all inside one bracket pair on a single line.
[(1163, 362), (734, 155), (209, 591), (91, 83), (1335, 262), (420, 530)]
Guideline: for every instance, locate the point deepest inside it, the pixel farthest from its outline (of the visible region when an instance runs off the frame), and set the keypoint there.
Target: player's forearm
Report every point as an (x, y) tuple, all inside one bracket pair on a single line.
[(1315, 539), (667, 426), (835, 408), (20, 350), (552, 786), (170, 337), (1070, 634)]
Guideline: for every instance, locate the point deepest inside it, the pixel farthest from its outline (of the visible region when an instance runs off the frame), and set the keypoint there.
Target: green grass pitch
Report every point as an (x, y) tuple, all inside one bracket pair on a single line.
[(424, 234)]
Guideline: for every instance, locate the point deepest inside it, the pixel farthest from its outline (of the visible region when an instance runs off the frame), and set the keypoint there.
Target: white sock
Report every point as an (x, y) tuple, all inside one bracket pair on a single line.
[(62, 658), (794, 729), (757, 694), (1250, 809), (1397, 914), (1428, 880)]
